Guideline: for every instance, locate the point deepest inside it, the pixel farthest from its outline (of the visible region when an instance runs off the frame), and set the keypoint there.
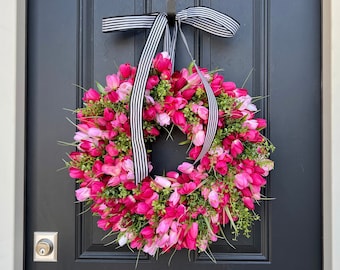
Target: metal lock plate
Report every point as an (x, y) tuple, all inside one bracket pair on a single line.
[(45, 246)]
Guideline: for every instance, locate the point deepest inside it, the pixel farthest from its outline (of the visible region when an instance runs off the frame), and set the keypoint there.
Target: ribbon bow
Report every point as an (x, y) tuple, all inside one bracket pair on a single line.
[(203, 18)]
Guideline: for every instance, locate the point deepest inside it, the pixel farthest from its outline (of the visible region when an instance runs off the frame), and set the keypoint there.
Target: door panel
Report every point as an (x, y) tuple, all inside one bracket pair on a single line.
[(66, 46)]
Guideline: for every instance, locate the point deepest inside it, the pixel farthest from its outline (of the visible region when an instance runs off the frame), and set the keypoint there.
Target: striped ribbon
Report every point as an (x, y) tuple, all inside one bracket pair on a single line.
[(202, 18)]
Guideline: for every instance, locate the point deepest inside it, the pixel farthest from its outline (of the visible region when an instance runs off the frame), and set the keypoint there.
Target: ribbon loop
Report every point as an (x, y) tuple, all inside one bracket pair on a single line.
[(202, 18), (209, 20)]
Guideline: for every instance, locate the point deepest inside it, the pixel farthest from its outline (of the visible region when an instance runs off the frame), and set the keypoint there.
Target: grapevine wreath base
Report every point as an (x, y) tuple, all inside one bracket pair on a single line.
[(183, 209)]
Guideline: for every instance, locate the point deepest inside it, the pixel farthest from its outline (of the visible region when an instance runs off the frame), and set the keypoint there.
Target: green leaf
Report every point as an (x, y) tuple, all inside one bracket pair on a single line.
[(101, 88), (184, 142)]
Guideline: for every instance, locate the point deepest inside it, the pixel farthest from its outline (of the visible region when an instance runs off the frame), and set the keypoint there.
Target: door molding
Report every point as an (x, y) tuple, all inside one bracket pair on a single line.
[(12, 76), (331, 133)]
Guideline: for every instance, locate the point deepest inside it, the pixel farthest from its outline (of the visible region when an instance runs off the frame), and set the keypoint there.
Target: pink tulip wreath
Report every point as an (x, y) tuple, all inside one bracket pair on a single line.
[(187, 208)]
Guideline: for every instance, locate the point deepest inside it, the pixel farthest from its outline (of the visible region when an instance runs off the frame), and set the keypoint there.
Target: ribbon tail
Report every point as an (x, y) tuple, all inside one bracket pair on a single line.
[(137, 95), (212, 103)]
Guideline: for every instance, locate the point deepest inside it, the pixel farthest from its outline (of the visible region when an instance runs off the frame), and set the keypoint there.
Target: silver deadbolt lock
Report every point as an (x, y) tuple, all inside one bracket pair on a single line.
[(44, 247)]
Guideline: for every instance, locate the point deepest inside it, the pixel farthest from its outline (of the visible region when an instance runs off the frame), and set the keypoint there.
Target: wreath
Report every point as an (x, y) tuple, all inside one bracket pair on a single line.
[(183, 209)]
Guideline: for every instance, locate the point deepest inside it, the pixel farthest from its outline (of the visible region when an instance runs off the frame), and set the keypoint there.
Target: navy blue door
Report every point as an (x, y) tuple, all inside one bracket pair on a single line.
[(279, 40)]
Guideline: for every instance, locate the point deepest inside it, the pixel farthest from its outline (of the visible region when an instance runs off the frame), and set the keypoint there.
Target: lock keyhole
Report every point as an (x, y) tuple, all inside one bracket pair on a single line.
[(44, 247)]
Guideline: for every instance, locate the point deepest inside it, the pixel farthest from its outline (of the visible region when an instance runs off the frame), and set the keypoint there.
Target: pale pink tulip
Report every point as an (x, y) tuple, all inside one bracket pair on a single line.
[(162, 181), (163, 119), (213, 199), (186, 167), (83, 194), (150, 248), (174, 198), (124, 90), (94, 132), (198, 138), (164, 225), (112, 82)]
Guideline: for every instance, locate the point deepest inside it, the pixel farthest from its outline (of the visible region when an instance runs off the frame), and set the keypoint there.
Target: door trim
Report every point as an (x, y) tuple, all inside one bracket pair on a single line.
[(12, 76), (331, 133)]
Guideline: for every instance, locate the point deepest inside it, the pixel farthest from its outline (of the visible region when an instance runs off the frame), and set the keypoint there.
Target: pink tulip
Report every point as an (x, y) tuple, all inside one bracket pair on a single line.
[(162, 62), (267, 166), (108, 114), (261, 123), (213, 199), (193, 79), (150, 248), (186, 167), (250, 124), (173, 237), (124, 90), (239, 92), (163, 119), (112, 170), (127, 165), (246, 192), (187, 188), (221, 167), (198, 138), (164, 225), (103, 224), (188, 93), (94, 132), (162, 181), (153, 131), (203, 112), (149, 99), (97, 167), (142, 208), (114, 181), (152, 81), (179, 119), (180, 83), (111, 149), (150, 114), (228, 86), (172, 174), (258, 180), (96, 187), (174, 198), (125, 70), (163, 240), (242, 180), (147, 232), (113, 96), (165, 75), (75, 173), (112, 82), (83, 194), (248, 202), (252, 136), (193, 231), (91, 95), (153, 197), (236, 148), (194, 152)]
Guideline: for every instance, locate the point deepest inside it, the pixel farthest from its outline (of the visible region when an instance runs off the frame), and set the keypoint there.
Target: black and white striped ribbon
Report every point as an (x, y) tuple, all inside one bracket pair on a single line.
[(202, 18)]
